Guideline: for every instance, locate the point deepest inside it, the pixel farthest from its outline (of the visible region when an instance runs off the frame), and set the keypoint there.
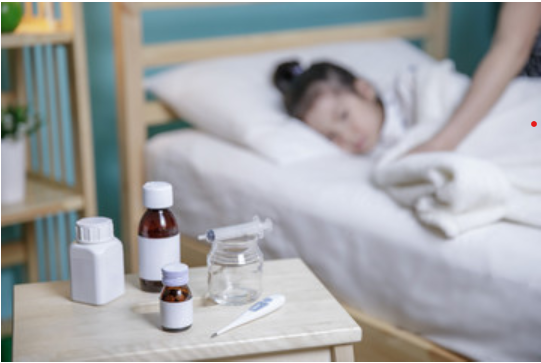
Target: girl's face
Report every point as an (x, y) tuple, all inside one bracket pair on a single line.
[(352, 120)]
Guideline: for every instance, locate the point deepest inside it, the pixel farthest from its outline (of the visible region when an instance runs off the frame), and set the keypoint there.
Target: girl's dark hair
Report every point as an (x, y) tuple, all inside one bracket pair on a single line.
[(299, 87)]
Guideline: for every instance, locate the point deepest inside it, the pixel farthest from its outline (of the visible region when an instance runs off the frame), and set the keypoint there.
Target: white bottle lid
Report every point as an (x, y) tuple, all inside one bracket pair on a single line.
[(175, 274), (94, 230), (157, 195)]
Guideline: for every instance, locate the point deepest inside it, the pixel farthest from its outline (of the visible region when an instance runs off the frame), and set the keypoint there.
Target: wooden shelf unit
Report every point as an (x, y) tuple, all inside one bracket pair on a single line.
[(13, 253), (39, 28), (42, 198), (19, 40), (46, 196)]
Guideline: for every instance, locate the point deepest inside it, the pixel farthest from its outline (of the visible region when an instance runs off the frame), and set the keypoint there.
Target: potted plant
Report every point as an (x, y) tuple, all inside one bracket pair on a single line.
[(15, 126)]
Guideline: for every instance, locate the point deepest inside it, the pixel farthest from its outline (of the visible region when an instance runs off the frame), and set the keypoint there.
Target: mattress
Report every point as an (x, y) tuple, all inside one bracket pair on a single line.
[(477, 294)]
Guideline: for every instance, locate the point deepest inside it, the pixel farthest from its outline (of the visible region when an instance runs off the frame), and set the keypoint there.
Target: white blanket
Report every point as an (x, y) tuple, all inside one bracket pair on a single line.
[(495, 173)]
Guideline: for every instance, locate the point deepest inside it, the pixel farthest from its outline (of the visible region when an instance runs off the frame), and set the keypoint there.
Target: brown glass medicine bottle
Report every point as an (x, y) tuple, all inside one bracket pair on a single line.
[(176, 304), (158, 235)]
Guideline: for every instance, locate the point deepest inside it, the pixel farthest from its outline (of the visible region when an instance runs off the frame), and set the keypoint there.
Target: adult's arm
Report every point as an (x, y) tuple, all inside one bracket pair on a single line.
[(517, 29)]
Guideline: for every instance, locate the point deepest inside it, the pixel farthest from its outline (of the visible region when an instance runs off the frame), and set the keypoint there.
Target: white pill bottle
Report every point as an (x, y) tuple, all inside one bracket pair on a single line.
[(96, 262)]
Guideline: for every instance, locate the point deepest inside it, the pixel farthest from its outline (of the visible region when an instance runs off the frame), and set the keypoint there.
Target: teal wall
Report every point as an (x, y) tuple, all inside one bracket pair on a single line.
[(470, 33)]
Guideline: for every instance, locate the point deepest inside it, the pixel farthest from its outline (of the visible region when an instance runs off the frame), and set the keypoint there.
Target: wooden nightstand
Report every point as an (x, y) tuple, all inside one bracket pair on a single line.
[(312, 325)]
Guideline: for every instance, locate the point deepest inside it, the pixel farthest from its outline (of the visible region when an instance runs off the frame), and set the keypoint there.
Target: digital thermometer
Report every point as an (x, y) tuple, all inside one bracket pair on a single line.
[(256, 311)]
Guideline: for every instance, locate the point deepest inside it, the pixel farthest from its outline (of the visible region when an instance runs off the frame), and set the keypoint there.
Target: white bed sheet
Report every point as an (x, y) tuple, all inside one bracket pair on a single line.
[(477, 294)]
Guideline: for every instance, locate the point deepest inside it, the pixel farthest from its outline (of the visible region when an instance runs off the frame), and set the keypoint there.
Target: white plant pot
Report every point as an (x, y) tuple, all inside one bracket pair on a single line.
[(13, 170)]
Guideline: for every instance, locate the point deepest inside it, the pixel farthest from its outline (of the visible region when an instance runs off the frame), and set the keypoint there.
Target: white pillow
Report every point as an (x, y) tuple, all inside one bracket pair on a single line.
[(234, 97)]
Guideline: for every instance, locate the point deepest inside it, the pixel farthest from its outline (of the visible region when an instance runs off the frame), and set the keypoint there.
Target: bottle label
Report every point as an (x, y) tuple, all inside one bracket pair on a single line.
[(176, 315), (154, 253)]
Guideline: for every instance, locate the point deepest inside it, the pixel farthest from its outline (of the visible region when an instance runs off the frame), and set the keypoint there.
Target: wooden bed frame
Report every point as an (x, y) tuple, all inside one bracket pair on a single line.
[(381, 341)]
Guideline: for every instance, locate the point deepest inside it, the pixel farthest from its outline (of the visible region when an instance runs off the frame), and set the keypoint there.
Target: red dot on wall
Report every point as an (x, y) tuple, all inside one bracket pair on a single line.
[(534, 124)]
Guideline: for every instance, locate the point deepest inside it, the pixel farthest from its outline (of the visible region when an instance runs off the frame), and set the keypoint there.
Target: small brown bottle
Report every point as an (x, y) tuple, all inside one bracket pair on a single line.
[(158, 237), (176, 304)]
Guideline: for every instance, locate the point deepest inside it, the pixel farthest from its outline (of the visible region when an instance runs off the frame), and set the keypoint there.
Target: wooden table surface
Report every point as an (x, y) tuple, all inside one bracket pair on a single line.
[(47, 325)]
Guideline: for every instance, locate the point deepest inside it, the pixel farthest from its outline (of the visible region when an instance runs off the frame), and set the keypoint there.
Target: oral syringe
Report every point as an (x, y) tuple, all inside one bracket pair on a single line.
[(255, 228)]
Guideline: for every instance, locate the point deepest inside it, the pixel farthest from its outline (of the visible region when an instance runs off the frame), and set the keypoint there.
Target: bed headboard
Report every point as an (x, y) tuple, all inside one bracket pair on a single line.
[(136, 114)]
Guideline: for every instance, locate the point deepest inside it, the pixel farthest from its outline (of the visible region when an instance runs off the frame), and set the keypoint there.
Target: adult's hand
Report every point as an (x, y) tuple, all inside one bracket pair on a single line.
[(433, 145), (518, 26)]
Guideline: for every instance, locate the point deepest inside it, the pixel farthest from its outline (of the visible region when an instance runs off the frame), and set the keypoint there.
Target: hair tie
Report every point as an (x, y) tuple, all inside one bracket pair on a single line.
[(297, 70)]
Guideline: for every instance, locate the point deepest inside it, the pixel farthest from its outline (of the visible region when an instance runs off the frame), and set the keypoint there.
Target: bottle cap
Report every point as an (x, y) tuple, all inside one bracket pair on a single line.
[(94, 230), (157, 195), (175, 274)]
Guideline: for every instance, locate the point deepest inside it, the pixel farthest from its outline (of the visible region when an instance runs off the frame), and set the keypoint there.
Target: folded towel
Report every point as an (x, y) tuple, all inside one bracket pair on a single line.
[(496, 172)]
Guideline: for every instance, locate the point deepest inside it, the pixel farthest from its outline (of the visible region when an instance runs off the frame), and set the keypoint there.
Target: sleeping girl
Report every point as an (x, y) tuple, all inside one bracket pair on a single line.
[(344, 108), (348, 111)]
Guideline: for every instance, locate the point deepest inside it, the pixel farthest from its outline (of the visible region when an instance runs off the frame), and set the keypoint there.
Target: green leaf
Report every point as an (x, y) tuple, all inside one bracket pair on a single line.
[(15, 120)]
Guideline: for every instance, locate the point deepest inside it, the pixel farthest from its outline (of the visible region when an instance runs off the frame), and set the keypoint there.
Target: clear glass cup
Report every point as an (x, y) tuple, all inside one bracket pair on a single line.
[(235, 270)]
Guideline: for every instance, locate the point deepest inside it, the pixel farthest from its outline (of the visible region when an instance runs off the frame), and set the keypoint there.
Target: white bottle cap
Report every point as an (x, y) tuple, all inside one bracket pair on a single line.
[(175, 274), (157, 195), (94, 230)]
